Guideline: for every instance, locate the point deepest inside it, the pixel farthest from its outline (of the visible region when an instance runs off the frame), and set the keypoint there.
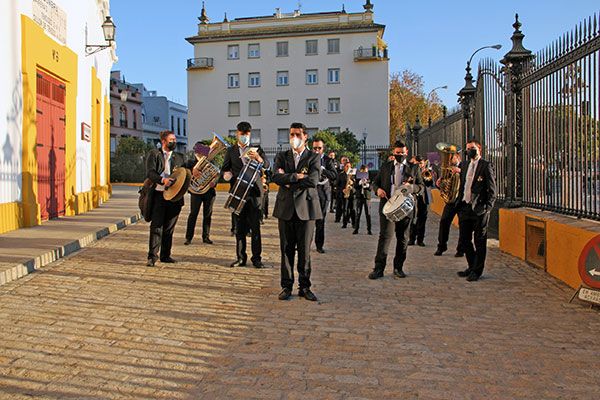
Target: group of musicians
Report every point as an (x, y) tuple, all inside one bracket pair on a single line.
[(311, 183)]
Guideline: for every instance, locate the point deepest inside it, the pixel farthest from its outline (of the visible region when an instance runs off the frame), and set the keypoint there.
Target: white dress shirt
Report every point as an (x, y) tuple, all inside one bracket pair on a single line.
[(397, 175), (167, 171), (469, 180)]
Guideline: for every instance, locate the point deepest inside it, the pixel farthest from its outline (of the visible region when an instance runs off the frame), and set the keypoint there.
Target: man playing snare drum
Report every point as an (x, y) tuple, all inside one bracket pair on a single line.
[(394, 176)]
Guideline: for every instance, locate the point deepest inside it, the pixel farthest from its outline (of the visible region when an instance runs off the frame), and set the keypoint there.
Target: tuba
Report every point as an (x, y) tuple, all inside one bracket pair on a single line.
[(449, 181), (209, 172)]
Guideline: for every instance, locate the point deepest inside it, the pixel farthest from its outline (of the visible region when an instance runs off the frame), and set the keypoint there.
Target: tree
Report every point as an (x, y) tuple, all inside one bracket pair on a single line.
[(128, 163), (407, 100)]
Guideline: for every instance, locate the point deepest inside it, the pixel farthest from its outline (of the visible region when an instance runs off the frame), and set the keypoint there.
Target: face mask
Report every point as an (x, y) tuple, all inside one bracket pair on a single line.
[(472, 153), (400, 157), (244, 140), (296, 143), (171, 146)]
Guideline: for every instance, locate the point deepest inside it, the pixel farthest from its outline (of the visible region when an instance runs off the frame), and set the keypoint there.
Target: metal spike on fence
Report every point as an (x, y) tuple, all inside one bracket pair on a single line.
[(587, 29)]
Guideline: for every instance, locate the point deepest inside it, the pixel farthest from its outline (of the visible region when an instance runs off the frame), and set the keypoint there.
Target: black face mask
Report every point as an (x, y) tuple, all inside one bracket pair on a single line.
[(400, 157), (472, 153), (171, 146)]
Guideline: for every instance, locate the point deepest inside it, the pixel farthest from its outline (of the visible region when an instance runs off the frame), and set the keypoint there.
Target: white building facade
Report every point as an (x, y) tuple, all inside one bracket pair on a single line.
[(54, 110), (327, 70)]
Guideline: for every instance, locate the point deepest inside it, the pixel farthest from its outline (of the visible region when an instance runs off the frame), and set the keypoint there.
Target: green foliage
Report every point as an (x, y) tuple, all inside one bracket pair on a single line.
[(344, 144), (128, 162)]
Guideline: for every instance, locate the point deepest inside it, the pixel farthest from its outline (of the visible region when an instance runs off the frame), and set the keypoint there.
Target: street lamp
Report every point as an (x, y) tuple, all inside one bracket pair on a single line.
[(109, 29), (414, 135), (364, 144), (433, 90), (466, 95)]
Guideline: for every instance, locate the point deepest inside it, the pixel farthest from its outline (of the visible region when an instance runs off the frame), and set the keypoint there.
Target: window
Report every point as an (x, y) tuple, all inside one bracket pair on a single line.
[(254, 79), (334, 129), (232, 133), (254, 108), (333, 46), (233, 109), (233, 81), (312, 106), (311, 131), (333, 75), (283, 78), (123, 116), (334, 105), (112, 117), (254, 50), (255, 137), (282, 49), (184, 126), (233, 52), (172, 123), (178, 126), (283, 107), (134, 119), (283, 136), (311, 47), (312, 76)]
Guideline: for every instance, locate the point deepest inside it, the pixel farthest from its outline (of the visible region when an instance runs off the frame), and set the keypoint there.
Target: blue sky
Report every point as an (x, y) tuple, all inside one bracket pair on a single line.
[(431, 38)]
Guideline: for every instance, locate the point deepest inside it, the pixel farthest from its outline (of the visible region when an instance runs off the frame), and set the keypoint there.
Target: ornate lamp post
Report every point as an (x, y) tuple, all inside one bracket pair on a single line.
[(109, 29), (416, 128), (364, 146)]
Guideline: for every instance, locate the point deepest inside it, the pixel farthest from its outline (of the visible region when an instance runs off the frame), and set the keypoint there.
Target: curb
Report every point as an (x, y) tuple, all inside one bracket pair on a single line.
[(30, 266)]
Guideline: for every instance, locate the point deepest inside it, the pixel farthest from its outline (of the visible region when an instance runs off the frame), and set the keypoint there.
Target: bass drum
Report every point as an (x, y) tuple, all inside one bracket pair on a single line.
[(238, 193), (399, 206)]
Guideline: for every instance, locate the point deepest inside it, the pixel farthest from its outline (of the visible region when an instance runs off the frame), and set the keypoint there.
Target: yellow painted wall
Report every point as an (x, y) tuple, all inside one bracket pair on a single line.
[(565, 239), (39, 51), (437, 205), (106, 154)]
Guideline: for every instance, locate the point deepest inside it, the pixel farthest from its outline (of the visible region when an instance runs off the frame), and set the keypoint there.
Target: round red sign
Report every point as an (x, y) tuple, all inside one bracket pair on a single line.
[(589, 263)]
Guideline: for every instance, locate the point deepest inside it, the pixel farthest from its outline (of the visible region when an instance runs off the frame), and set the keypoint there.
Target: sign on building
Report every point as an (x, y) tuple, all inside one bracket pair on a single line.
[(51, 18)]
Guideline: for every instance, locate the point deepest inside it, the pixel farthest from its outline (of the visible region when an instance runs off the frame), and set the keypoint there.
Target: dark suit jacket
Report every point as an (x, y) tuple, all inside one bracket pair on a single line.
[(383, 180), (483, 188), (300, 195), (155, 164), (340, 183), (233, 163), (328, 174)]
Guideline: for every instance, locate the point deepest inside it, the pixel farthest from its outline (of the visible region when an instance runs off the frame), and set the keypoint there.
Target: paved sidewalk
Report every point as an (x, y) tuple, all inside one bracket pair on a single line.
[(24, 250), (100, 325)]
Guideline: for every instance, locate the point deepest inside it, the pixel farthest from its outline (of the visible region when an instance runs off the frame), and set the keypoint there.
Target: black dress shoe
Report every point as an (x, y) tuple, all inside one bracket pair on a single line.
[(207, 241), (285, 294), (187, 242), (438, 252), (375, 274), (369, 232), (151, 262), (344, 226), (258, 264), (168, 260), (355, 232), (307, 294), (421, 244), (411, 242), (472, 277), (238, 263), (464, 274), (399, 274), (459, 254), (322, 251)]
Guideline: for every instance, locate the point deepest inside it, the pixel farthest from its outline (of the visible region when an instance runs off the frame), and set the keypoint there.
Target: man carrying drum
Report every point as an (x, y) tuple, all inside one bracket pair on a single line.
[(394, 176)]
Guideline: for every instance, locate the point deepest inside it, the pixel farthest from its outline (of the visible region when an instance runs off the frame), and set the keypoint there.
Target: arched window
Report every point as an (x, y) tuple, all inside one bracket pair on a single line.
[(123, 116), (134, 119)]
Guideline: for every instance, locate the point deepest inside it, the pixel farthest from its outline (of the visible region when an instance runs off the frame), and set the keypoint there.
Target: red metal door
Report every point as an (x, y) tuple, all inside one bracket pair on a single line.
[(50, 145)]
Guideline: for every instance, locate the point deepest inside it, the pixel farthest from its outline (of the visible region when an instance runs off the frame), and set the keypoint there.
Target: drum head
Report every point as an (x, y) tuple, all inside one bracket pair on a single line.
[(176, 191)]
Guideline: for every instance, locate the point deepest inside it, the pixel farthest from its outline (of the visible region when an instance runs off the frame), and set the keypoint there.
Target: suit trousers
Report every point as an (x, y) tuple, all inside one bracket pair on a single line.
[(417, 228), (249, 221), (339, 207), (320, 223), (473, 230), (197, 200), (362, 203), (349, 212), (448, 214), (164, 217), (295, 234), (386, 232)]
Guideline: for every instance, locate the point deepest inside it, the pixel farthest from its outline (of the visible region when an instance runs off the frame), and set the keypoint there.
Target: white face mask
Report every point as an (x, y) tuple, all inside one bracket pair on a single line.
[(244, 140), (296, 143)]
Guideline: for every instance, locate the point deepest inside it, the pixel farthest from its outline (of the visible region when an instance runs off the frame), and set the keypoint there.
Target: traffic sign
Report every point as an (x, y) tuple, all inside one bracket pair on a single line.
[(589, 263)]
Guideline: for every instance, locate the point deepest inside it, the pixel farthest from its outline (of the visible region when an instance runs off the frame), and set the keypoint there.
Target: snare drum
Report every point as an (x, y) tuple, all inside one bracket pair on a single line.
[(399, 206), (238, 193)]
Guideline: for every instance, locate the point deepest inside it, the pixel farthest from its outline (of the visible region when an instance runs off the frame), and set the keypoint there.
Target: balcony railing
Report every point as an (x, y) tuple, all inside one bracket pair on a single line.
[(200, 63), (370, 53)]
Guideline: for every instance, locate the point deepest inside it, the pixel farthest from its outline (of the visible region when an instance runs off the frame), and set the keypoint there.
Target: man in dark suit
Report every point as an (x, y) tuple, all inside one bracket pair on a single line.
[(297, 206), (160, 163), (417, 228), (339, 194), (448, 214), (249, 218), (476, 198), (328, 173), (362, 192), (332, 182), (394, 175)]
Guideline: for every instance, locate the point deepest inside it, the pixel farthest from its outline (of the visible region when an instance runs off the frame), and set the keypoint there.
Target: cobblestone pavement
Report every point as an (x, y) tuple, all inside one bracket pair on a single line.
[(101, 325)]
